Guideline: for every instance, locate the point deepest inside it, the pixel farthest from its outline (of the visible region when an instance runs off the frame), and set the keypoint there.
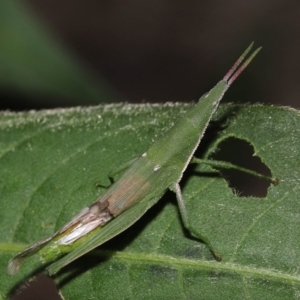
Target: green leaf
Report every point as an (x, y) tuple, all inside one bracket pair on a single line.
[(34, 63), (50, 161)]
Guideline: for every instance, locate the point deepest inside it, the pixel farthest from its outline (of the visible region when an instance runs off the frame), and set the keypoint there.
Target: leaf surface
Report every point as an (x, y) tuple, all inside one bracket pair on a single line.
[(50, 161)]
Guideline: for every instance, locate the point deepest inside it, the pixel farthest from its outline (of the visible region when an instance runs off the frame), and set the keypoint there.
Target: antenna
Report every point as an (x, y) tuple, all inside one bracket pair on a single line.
[(235, 70)]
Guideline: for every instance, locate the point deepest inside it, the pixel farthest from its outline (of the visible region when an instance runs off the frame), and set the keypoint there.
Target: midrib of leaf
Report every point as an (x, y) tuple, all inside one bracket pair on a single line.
[(180, 262), (11, 247)]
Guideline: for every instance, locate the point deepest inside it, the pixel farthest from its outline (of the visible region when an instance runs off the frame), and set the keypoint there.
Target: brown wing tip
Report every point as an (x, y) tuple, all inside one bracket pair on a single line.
[(14, 265)]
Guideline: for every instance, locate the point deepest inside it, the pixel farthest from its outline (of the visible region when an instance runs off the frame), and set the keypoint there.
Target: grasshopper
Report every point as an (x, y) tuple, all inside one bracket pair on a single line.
[(142, 184)]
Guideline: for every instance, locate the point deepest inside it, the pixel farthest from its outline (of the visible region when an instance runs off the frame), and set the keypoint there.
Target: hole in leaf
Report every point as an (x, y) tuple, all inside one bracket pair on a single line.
[(240, 152), (42, 287)]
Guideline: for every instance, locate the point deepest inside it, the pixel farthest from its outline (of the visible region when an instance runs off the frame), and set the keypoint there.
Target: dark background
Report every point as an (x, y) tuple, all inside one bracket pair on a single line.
[(158, 51)]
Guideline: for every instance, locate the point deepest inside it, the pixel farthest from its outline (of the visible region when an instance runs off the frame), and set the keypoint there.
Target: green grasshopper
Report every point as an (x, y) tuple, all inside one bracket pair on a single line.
[(142, 184)]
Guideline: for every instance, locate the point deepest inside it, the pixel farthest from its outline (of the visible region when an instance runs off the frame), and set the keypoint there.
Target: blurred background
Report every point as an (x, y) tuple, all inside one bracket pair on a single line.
[(64, 53)]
